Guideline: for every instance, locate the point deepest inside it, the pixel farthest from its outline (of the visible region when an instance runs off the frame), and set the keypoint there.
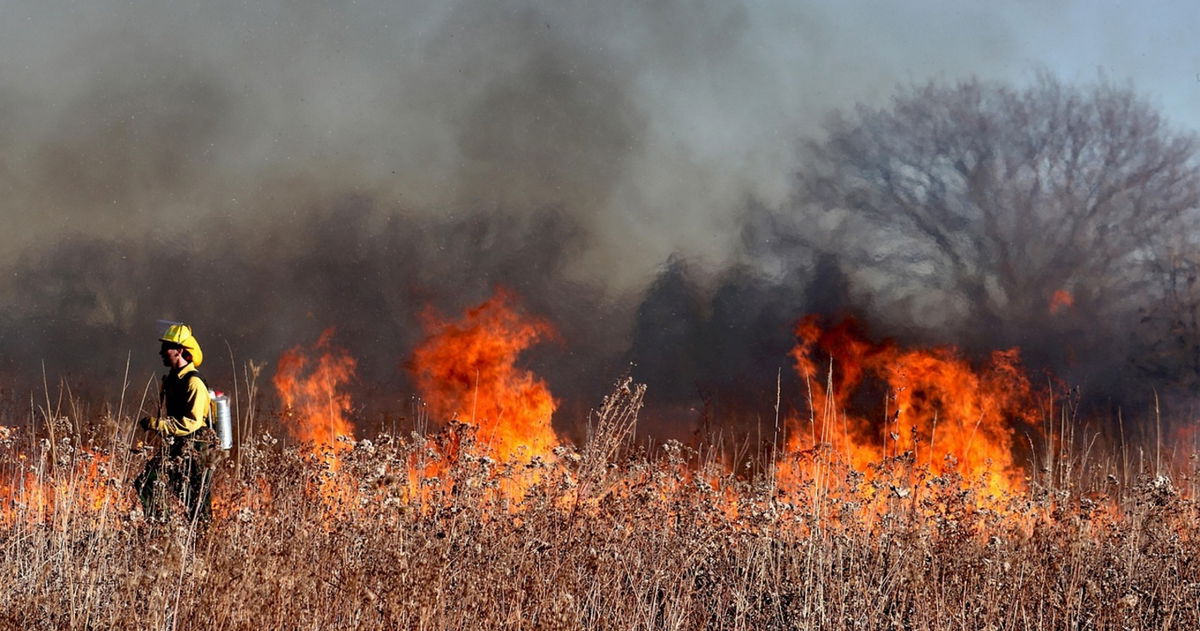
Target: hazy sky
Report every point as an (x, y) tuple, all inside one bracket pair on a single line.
[(651, 122)]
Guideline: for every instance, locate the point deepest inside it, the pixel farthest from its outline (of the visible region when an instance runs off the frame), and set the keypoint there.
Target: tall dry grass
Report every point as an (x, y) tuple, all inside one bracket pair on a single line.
[(609, 536)]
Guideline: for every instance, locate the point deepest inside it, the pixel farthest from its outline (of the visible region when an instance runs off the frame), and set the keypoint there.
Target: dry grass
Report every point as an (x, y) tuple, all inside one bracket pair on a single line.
[(605, 538)]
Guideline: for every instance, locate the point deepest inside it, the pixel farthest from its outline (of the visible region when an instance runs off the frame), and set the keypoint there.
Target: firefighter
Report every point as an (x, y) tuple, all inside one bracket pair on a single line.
[(183, 421)]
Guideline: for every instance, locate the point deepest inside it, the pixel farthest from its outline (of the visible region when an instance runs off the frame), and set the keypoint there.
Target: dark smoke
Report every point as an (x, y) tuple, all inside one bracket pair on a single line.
[(264, 171), (718, 346), (267, 181), (84, 304)]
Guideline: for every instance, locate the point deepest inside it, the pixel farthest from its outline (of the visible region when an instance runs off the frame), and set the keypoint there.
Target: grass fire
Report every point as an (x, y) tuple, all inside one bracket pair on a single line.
[(957, 499), (516, 314)]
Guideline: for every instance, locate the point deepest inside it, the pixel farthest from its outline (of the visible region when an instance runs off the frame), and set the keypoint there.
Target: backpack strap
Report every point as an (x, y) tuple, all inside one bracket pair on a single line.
[(208, 421), (196, 373)]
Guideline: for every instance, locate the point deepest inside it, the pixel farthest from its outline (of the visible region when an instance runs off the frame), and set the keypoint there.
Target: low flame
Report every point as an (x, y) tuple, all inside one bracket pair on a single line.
[(83, 484), (941, 412)]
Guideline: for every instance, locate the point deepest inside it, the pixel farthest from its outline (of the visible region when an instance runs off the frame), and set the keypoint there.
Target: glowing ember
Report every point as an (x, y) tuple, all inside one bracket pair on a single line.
[(466, 369), (943, 413), (1061, 301)]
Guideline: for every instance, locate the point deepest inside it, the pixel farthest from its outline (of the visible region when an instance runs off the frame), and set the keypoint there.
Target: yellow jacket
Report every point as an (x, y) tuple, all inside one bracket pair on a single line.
[(183, 403)]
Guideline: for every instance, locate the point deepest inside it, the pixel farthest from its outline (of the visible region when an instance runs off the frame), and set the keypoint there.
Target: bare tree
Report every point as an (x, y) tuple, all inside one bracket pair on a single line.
[(1170, 331), (994, 200)]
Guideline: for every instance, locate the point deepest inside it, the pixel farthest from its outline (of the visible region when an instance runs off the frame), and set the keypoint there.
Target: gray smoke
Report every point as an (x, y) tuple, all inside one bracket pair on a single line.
[(649, 124), (267, 170)]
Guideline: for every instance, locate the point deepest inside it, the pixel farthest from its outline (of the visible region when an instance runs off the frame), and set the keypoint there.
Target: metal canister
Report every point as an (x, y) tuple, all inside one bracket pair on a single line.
[(222, 420)]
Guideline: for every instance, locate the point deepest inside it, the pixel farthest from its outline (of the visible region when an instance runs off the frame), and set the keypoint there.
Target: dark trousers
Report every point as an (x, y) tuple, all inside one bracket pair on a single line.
[(182, 475)]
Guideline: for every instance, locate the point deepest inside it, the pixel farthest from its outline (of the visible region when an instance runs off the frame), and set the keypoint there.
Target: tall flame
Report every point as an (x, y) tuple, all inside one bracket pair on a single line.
[(941, 411), (315, 405), (467, 369)]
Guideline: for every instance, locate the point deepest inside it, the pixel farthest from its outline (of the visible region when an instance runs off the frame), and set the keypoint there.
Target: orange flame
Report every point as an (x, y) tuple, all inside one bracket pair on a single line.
[(467, 369), (85, 486), (1060, 301), (945, 414), (311, 392), (315, 408)]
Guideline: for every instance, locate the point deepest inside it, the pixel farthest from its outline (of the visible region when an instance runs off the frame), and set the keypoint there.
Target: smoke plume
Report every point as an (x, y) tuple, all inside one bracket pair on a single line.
[(265, 171)]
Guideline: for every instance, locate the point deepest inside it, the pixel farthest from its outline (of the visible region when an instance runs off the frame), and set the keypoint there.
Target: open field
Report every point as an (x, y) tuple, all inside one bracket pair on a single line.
[(586, 315), (422, 533)]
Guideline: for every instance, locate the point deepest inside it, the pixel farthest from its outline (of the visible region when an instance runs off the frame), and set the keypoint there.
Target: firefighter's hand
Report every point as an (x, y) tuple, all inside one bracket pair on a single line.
[(144, 423)]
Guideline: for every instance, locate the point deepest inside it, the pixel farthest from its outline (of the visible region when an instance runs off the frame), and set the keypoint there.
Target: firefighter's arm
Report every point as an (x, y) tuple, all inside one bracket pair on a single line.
[(173, 426), (194, 420)]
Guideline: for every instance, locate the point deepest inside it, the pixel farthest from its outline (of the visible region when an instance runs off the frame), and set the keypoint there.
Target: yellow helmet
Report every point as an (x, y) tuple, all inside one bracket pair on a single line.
[(181, 334)]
